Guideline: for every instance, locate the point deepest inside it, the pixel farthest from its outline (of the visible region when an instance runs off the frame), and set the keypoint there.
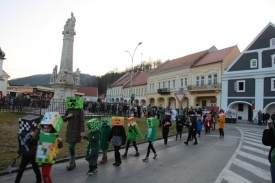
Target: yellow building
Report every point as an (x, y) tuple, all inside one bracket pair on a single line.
[(198, 74)]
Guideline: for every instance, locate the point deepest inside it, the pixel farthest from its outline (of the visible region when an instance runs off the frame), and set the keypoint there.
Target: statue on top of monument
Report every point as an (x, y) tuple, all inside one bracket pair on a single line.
[(70, 23), (77, 77), (54, 74), (2, 54)]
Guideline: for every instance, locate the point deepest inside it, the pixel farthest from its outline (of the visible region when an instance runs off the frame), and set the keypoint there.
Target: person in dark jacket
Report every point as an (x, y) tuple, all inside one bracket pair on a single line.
[(118, 137), (166, 124), (75, 128), (268, 139), (192, 132), (180, 120)]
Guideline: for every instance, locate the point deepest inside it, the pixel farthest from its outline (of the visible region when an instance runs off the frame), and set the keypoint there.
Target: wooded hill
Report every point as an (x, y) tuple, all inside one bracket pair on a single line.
[(85, 79)]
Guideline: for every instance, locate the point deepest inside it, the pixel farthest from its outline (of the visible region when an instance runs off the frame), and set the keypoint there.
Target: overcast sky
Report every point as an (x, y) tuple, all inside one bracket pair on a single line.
[(31, 31)]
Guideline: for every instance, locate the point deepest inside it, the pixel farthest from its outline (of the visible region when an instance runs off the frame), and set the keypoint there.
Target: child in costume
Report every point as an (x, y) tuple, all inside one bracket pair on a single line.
[(179, 125), (118, 137), (105, 131), (27, 146), (151, 136), (75, 127), (132, 133), (208, 123), (199, 125), (49, 143), (93, 144)]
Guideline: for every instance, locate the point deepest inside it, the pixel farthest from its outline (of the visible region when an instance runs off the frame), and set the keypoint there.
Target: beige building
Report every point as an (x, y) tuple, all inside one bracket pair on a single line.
[(198, 75)]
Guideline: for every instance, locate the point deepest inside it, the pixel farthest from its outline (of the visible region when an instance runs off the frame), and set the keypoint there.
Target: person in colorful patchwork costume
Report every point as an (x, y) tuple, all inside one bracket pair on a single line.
[(118, 137), (93, 144), (133, 132), (49, 143), (75, 128), (27, 146), (105, 131), (151, 136)]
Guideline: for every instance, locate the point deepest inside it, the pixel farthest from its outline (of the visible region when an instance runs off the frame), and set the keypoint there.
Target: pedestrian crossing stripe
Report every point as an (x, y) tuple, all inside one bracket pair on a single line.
[(251, 141)]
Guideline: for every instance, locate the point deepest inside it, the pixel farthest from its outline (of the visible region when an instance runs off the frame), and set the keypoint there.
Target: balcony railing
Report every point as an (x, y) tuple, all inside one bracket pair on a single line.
[(205, 87), (164, 91)]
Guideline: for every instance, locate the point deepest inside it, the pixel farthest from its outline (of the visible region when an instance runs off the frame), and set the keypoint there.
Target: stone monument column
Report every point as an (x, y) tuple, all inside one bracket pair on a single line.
[(2, 58), (66, 81)]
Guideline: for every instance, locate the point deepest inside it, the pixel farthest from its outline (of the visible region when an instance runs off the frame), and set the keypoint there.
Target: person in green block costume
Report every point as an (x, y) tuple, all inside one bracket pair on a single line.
[(133, 132), (151, 136), (75, 128), (105, 131), (93, 144)]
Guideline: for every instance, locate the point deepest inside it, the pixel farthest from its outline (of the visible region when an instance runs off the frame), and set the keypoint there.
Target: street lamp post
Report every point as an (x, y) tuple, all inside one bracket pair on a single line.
[(132, 58)]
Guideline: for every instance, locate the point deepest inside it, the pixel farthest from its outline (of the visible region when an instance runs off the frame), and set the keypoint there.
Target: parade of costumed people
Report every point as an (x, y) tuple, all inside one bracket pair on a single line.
[(132, 133), (49, 142), (27, 146), (151, 134), (118, 137), (74, 115), (105, 131), (93, 144)]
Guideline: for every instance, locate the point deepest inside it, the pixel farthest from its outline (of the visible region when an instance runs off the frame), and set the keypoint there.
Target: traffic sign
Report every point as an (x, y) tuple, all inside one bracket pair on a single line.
[(180, 96)]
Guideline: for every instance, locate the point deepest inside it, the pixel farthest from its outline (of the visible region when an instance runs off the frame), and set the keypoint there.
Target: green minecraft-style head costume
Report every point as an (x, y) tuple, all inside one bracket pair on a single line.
[(48, 142), (105, 121), (74, 103), (152, 122), (93, 125)]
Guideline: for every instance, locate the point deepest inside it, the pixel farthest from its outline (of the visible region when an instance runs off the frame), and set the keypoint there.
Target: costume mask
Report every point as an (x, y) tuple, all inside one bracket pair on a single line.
[(74, 103), (152, 122), (93, 125), (105, 121)]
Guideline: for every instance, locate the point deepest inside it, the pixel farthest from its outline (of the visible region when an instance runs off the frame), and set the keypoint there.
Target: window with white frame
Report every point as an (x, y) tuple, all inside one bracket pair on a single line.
[(197, 81), (174, 83), (145, 91), (253, 63), (142, 91), (215, 79), (159, 85), (186, 81), (181, 82), (239, 86), (213, 103), (273, 60), (202, 80), (272, 42), (153, 87), (272, 84), (209, 79), (163, 84), (169, 84)]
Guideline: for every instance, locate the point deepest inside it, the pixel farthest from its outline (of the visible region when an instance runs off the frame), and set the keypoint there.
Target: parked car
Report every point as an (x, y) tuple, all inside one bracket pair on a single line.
[(230, 116)]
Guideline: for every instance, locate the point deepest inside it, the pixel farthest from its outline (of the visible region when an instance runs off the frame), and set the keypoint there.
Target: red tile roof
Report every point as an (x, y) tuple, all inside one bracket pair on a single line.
[(88, 91), (180, 62), (102, 97), (212, 57), (124, 79), (140, 79)]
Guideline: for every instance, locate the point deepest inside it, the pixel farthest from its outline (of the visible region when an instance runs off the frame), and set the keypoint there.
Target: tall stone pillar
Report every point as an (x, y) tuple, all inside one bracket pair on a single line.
[(66, 81), (2, 80)]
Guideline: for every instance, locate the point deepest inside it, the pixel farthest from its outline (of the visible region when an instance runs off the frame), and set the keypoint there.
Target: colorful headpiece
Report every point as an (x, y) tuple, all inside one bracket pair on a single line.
[(54, 119), (28, 123), (93, 125), (74, 103), (117, 121), (105, 121), (131, 121), (152, 122)]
